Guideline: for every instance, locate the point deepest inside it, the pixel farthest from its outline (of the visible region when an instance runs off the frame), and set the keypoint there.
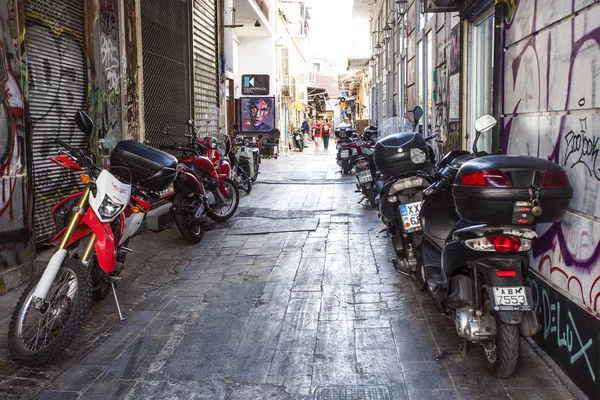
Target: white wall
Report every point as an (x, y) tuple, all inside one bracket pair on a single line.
[(255, 56)]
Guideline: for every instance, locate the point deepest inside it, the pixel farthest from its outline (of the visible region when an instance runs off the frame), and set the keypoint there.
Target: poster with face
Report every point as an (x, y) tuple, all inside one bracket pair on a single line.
[(258, 114)]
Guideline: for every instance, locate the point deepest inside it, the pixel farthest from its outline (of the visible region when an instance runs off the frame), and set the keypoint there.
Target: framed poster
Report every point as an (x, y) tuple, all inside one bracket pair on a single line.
[(257, 114)]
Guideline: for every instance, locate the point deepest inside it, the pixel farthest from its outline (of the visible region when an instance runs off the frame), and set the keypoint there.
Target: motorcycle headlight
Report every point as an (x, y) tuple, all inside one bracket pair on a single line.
[(108, 208), (213, 142)]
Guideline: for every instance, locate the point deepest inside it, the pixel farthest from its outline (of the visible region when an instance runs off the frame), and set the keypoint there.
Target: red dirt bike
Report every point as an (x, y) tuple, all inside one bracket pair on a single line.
[(94, 227), (202, 186)]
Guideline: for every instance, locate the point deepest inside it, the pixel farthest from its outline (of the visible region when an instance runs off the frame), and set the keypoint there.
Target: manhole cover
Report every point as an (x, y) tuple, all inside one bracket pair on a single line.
[(352, 393)]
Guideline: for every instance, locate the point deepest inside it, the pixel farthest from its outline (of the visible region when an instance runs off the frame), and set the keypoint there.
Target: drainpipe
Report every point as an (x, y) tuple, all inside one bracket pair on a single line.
[(123, 69)]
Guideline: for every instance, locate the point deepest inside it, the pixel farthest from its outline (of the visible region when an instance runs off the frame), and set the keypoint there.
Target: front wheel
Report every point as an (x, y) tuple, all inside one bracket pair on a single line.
[(222, 211), (502, 353), (35, 336), (189, 226)]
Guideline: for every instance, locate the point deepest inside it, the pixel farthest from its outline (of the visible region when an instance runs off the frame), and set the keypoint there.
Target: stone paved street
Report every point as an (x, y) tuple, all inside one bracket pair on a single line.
[(273, 315)]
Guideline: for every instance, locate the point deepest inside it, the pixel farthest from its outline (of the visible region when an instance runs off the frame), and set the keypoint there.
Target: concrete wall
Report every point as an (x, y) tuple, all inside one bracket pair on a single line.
[(550, 109)]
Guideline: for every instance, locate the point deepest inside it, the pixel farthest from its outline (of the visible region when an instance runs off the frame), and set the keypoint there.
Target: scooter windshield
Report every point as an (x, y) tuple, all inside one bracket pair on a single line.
[(391, 126)]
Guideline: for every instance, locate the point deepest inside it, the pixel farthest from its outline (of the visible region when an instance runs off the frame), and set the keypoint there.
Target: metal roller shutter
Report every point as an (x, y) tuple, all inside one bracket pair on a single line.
[(206, 90), (165, 49), (57, 89)]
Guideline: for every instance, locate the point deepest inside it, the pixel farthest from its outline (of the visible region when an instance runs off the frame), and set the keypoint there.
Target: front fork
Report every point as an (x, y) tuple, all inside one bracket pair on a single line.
[(41, 290)]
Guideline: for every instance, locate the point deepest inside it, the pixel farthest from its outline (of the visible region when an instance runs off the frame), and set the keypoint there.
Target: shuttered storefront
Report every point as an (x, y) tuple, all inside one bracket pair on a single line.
[(165, 51), (206, 90), (57, 65)]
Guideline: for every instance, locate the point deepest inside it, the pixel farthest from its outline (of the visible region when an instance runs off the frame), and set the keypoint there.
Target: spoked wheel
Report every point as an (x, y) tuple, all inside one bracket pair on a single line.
[(502, 353), (38, 336), (189, 226), (222, 211)]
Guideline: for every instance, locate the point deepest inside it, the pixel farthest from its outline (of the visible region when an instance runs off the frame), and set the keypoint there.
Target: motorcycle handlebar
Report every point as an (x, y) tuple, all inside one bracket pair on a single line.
[(65, 145)]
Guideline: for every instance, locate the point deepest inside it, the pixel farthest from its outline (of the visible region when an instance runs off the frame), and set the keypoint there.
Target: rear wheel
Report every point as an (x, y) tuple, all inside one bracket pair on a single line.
[(222, 211), (502, 353), (37, 336), (189, 226), (371, 197)]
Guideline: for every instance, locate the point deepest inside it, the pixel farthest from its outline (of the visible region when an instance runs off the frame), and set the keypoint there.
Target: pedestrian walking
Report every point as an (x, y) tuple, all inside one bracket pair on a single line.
[(326, 133), (317, 129), (306, 129)]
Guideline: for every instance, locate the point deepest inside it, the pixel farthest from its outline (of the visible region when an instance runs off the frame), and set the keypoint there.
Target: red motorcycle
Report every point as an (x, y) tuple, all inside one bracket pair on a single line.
[(202, 186), (94, 227)]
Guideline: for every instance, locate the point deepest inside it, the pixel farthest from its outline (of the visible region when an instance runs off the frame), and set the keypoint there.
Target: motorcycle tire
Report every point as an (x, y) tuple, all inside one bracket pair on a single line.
[(371, 197), (191, 229), (247, 182), (233, 191), (504, 358), (100, 284), (71, 271)]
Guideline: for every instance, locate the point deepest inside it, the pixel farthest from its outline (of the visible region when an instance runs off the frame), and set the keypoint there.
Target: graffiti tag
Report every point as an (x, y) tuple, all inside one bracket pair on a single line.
[(582, 149), (566, 332), (110, 63)]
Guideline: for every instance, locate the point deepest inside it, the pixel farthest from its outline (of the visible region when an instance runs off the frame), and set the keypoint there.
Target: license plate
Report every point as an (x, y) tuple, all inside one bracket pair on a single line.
[(297, 137), (364, 176), (167, 192), (410, 216), (345, 153), (511, 298)]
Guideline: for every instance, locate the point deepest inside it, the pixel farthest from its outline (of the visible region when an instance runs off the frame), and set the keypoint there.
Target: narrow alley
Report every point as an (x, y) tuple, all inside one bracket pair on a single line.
[(313, 310)]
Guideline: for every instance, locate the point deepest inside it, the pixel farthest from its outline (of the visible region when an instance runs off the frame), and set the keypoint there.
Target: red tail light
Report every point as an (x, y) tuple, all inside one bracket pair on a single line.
[(506, 274), (362, 164), (555, 178), (492, 177), (505, 243)]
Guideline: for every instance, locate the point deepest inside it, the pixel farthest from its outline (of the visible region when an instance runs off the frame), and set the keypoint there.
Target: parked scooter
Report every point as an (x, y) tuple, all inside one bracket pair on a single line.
[(241, 160), (478, 221), (406, 162), (298, 141), (94, 227), (345, 137), (363, 166)]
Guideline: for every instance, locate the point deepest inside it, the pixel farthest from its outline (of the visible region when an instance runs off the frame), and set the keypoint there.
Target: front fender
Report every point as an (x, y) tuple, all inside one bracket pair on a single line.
[(105, 241)]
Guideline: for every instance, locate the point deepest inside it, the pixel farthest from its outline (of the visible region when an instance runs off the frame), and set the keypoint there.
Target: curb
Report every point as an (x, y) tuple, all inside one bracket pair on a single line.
[(560, 374)]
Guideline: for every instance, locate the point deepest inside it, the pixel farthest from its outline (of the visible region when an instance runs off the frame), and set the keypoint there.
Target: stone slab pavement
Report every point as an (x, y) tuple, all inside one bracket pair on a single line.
[(271, 316)]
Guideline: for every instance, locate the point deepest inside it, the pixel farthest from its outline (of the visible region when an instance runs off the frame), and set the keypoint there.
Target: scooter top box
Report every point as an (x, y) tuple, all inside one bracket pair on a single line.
[(506, 189), (150, 168), (402, 153)]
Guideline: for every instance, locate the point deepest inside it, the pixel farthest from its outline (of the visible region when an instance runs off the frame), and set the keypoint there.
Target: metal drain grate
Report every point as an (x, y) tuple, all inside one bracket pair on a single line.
[(352, 393)]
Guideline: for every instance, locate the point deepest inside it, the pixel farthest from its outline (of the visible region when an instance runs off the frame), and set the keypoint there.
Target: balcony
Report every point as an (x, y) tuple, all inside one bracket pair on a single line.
[(254, 15)]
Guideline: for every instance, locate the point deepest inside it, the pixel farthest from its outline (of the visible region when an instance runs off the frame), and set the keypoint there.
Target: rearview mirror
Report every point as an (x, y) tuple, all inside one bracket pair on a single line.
[(418, 111), (485, 123), (84, 123), (191, 123)]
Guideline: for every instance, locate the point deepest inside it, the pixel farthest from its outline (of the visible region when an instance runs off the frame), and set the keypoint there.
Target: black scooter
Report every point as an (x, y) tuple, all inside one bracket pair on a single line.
[(298, 139), (345, 137), (478, 222), (406, 161), (363, 166)]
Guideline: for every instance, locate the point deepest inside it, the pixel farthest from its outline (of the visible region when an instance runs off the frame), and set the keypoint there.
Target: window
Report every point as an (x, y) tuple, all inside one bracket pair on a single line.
[(481, 61)]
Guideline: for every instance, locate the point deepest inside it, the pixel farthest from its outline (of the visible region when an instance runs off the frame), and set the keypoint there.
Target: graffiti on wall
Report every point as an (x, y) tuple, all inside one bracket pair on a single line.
[(12, 146), (551, 95), (454, 51), (131, 72), (533, 66), (107, 102), (568, 333)]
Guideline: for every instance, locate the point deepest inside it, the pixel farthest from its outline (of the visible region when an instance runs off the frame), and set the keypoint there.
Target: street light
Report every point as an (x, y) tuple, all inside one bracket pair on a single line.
[(401, 7)]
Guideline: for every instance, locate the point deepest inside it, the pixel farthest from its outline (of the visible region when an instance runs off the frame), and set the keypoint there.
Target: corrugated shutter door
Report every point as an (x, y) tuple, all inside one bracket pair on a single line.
[(166, 54), (57, 89), (206, 90)]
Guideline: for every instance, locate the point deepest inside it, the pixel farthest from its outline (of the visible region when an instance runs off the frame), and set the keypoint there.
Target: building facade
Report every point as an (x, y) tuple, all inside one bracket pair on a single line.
[(533, 65), (139, 68)]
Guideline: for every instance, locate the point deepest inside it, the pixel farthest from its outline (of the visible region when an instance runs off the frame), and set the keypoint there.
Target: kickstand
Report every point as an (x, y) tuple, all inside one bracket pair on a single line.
[(114, 290), (465, 347), (361, 200), (378, 233), (440, 356)]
